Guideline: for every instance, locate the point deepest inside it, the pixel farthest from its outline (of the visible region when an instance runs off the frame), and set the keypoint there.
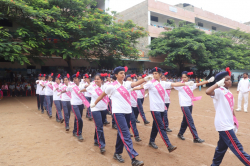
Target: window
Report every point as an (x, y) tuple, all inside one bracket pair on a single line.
[(213, 28), (153, 18), (200, 24)]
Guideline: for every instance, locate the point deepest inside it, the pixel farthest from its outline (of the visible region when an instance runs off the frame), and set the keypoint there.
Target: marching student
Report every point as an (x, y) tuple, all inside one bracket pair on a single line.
[(38, 88), (87, 96), (77, 100), (133, 99), (167, 103), (225, 121), (186, 98), (66, 96), (140, 100), (57, 98), (42, 92), (49, 94), (243, 92), (99, 110), (156, 90), (121, 109)]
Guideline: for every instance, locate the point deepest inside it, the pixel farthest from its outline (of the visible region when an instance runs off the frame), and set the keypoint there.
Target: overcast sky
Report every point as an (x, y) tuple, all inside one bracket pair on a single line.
[(238, 10)]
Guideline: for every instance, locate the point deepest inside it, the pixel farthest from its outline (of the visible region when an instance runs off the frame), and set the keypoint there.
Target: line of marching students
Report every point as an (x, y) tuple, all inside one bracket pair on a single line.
[(122, 97)]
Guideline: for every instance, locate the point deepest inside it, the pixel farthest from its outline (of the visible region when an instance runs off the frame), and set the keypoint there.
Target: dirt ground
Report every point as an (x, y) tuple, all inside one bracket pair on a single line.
[(30, 138)]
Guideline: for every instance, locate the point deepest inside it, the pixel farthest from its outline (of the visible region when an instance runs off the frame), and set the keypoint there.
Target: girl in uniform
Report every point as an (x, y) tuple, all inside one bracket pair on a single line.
[(121, 109), (157, 91), (38, 87), (225, 121), (88, 96), (57, 98), (66, 96), (42, 92), (186, 98), (49, 94)]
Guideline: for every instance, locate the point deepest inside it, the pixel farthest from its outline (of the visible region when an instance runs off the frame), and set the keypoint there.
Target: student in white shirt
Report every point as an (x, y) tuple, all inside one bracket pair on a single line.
[(66, 96), (157, 90), (42, 92), (87, 96), (121, 109), (225, 121), (140, 100), (38, 88), (57, 98), (167, 103), (243, 92), (186, 99), (49, 94)]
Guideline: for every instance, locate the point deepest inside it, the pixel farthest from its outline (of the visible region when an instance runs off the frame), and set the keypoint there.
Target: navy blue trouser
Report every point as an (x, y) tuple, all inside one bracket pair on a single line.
[(140, 109), (49, 101), (158, 126), (38, 101), (123, 135), (188, 121), (78, 109), (58, 105), (229, 139), (88, 112), (45, 103), (165, 117), (42, 102), (133, 122), (110, 109), (66, 111), (99, 118)]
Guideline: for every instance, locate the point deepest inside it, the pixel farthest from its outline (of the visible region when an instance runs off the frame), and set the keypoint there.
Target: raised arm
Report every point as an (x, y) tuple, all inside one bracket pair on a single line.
[(205, 82), (210, 90), (99, 99), (139, 82)]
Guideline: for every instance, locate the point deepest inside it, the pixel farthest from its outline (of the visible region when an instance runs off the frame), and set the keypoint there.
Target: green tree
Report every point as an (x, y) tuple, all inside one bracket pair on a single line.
[(71, 29)]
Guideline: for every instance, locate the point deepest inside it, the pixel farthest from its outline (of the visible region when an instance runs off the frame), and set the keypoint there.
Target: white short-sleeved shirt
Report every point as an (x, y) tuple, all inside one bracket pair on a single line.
[(86, 94), (119, 104), (155, 100), (223, 120), (75, 100), (55, 92), (139, 94), (184, 99), (38, 87), (42, 90), (48, 90), (167, 98), (65, 97), (132, 99), (101, 105)]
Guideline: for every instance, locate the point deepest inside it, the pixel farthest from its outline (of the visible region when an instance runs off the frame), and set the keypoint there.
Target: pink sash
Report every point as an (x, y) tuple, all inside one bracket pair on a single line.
[(50, 86), (67, 93), (57, 86), (190, 94), (230, 100), (143, 92), (81, 96), (123, 92), (160, 90), (168, 92), (98, 91), (134, 95)]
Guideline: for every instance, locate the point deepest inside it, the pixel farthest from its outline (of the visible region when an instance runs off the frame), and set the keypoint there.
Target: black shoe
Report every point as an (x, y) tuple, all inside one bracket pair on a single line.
[(131, 135), (152, 144), (102, 150), (58, 120), (198, 140), (96, 144), (137, 163), (80, 138), (74, 134), (67, 128), (168, 130), (119, 158), (62, 121), (106, 123), (90, 118), (137, 139), (50, 116), (171, 148), (42, 112), (146, 122), (114, 126), (181, 137), (137, 121), (109, 113)]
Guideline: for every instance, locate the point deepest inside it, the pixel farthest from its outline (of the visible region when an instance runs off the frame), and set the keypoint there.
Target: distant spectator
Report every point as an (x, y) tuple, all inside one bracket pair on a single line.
[(12, 89), (5, 89)]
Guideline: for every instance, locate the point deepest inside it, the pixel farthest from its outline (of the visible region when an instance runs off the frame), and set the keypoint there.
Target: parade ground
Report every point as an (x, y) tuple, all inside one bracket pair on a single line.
[(30, 138)]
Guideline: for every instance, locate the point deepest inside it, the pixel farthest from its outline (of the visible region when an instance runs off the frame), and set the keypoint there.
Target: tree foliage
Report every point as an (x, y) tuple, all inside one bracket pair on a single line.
[(71, 29)]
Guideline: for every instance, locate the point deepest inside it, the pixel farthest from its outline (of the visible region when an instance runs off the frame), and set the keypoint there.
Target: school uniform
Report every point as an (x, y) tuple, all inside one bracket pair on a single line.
[(49, 96), (77, 108), (88, 97), (140, 100), (110, 105), (98, 112), (225, 125), (12, 90), (38, 88), (57, 101), (66, 105), (243, 89), (167, 103), (42, 95), (157, 108), (121, 110)]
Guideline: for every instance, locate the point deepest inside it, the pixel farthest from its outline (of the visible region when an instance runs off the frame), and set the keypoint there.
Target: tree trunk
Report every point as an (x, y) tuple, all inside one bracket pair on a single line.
[(69, 62)]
